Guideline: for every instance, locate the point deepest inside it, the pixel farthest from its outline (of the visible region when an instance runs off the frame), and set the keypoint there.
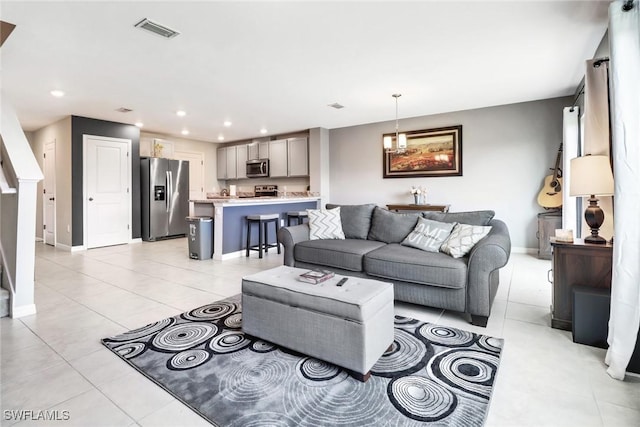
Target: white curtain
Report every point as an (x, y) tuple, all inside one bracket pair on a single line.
[(571, 144), (624, 322), (596, 133)]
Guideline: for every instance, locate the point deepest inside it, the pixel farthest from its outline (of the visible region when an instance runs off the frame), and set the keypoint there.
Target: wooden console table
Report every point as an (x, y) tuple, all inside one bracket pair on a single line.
[(576, 264), (437, 208)]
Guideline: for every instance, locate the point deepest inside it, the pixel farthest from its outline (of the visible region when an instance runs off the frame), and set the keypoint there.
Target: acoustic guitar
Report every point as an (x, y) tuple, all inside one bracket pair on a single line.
[(550, 196)]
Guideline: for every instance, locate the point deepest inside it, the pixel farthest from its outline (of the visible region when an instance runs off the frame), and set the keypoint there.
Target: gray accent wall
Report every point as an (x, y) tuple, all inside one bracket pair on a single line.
[(507, 151), (81, 126)]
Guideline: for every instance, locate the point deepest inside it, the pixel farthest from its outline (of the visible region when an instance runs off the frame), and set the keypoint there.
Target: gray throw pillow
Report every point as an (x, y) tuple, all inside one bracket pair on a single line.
[(356, 219), (471, 217), (463, 238), (428, 235), (391, 227), (325, 224)]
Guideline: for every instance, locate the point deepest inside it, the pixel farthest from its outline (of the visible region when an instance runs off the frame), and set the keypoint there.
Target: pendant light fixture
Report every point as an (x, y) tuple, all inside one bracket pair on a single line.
[(401, 138)]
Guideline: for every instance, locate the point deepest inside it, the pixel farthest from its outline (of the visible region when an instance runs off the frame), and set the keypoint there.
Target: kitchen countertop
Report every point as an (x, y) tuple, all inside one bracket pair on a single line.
[(235, 201)]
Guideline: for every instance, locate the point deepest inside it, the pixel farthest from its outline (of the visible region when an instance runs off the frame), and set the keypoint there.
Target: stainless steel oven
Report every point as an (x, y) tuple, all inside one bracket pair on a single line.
[(258, 168)]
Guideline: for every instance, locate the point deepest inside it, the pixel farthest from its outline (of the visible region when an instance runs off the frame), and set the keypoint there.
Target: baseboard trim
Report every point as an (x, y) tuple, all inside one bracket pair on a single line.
[(23, 310), (230, 255), (138, 240), (521, 250), (69, 248)]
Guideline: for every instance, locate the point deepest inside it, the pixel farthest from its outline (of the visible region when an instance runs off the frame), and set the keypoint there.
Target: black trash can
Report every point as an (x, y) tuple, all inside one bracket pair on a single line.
[(200, 237), (591, 315)]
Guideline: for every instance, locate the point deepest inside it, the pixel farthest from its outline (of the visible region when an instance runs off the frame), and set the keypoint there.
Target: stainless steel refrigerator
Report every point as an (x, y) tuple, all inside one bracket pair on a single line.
[(165, 197)]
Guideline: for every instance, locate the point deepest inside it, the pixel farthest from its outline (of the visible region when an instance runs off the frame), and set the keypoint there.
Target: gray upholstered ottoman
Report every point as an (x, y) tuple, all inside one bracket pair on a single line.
[(350, 326)]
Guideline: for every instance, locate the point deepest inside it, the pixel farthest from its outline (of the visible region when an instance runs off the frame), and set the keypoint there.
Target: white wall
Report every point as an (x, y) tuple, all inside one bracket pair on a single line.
[(60, 132), (507, 151)]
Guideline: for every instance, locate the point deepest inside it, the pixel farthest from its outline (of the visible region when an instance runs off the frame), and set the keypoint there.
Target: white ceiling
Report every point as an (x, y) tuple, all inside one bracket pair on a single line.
[(278, 64)]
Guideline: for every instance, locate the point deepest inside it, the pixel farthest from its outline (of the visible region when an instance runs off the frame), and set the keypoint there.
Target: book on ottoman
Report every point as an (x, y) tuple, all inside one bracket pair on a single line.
[(316, 276)]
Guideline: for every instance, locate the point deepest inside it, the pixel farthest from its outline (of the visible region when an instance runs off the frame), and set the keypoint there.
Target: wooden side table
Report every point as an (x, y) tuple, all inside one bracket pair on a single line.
[(577, 264), (436, 208)]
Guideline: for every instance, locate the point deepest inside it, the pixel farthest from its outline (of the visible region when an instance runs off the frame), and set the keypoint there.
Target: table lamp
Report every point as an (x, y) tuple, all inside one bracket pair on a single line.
[(591, 176)]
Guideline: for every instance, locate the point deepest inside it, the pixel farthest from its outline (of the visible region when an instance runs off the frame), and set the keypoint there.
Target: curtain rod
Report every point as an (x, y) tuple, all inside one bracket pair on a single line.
[(627, 5)]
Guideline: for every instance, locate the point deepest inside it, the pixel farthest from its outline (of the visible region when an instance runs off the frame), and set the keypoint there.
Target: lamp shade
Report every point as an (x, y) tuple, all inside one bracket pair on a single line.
[(591, 175)]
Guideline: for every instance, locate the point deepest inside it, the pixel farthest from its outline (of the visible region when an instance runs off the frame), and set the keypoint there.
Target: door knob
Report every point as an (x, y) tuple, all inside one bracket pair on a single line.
[(52, 198), (91, 199)]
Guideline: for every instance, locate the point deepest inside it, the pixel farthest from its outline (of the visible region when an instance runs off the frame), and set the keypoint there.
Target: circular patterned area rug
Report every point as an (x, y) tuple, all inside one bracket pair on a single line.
[(430, 375)]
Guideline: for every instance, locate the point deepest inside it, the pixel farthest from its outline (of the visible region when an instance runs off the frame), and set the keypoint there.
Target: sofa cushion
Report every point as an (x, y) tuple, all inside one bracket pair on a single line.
[(399, 262), (463, 238), (346, 254), (471, 217), (428, 235), (391, 227), (325, 224), (356, 219)]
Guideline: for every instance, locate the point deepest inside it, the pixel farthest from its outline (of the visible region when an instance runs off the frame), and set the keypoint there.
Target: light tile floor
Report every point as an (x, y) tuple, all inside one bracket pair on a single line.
[(54, 360)]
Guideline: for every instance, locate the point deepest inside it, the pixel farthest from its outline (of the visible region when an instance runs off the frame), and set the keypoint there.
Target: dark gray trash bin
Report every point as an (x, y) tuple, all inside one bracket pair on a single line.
[(591, 315), (591, 308), (200, 237)]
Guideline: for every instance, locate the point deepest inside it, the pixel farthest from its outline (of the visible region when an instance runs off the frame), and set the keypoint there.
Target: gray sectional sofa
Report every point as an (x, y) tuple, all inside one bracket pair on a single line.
[(372, 248)]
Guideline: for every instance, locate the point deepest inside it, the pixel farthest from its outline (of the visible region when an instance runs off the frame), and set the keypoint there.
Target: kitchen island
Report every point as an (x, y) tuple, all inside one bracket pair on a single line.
[(229, 218)]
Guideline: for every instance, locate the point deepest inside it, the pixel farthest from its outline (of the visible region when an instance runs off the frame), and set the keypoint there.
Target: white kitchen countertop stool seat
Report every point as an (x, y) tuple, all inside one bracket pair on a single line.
[(299, 216)]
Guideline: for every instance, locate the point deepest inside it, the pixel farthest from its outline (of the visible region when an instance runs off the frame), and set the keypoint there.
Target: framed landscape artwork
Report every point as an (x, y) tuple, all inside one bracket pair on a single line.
[(429, 153)]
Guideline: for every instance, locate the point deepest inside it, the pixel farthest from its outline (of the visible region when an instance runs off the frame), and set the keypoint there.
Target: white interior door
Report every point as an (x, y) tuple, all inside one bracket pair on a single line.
[(49, 194), (107, 202), (196, 172)]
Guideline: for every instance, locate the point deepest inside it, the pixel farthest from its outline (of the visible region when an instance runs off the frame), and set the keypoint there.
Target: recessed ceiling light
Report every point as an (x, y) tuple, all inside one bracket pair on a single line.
[(57, 93), (139, 124), (185, 132), (181, 113), (220, 138), (227, 123), (263, 131)]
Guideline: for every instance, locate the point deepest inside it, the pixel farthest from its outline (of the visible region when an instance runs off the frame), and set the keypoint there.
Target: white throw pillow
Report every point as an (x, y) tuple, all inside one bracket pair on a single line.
[(428, 235), (325, 224), (463, 238)]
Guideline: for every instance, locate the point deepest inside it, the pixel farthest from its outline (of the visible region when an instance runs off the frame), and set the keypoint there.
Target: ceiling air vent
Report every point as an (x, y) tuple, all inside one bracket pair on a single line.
[(124, 110), (336, 106), (156, 28)]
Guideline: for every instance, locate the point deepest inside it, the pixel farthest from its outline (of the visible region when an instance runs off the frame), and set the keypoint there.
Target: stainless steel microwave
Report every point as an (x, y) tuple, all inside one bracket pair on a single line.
[(258, 168)]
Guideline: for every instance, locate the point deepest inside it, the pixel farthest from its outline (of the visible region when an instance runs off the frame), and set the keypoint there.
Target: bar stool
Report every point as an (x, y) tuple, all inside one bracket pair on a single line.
[(299, 216), (263, 221)]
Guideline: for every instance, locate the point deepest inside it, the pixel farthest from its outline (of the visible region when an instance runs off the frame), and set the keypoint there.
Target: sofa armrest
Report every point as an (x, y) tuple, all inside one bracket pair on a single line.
[(486, 257), (289, 236)]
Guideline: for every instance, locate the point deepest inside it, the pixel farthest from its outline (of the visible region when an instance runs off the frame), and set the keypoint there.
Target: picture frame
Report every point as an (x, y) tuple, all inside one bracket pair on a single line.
[(429, 153)]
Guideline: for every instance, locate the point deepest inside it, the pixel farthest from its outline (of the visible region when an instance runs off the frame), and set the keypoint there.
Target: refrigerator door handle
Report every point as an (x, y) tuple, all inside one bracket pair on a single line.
[(169, 190)]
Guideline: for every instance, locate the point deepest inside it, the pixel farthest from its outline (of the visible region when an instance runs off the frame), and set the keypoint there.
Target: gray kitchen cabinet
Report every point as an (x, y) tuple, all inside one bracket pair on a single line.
[(298, 157), (232, 162), (263, 150), (258, 150), (241, 161), (221, 163), (278, 158), (226, 163)]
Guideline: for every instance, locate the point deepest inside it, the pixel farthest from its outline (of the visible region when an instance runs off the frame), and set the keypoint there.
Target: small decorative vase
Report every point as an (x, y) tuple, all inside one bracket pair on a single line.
[(416, 199)]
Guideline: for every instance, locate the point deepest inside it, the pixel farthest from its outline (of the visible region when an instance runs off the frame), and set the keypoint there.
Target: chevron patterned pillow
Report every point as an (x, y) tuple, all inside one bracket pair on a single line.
[(325, 224), (463, 238)]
